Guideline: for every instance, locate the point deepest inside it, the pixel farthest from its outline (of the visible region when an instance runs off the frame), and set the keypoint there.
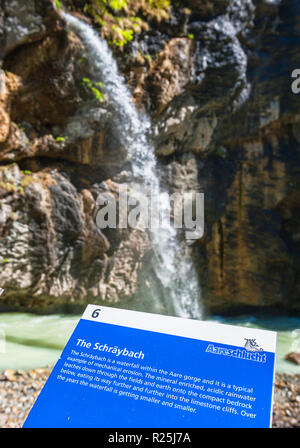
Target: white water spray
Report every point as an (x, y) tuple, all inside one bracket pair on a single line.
[(172, 267)]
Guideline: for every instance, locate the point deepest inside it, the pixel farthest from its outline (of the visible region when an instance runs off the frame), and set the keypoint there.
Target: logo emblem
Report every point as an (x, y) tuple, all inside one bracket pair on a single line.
[(252, 346)]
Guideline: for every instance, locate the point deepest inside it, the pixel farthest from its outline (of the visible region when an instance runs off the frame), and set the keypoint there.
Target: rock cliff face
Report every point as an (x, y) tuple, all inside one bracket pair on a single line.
[(216, 79)]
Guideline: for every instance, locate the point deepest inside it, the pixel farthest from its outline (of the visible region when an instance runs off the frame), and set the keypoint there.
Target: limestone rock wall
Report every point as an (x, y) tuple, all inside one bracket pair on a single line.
[(216, 79)]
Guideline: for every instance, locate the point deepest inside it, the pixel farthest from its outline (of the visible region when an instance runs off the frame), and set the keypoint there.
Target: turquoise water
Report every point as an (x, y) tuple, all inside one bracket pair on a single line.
[(28, 341)]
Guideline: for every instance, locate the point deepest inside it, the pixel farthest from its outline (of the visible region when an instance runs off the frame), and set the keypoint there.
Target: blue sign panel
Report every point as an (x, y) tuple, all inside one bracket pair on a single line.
[(125, 369)]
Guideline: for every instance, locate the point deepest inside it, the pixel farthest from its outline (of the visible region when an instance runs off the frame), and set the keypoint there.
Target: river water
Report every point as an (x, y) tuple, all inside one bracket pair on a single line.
[(31, 341)]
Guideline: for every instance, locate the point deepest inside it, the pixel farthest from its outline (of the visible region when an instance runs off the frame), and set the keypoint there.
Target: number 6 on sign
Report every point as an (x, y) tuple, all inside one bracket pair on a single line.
[(96, 313)]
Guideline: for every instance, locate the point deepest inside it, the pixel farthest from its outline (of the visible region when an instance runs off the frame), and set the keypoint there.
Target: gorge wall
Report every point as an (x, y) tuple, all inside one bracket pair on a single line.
[(216, 79)]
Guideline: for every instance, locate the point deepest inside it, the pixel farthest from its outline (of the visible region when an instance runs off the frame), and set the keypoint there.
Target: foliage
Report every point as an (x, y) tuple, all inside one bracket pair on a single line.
[(61, 139), (222, 152), (20, 126), (120, 20), (93, 87)]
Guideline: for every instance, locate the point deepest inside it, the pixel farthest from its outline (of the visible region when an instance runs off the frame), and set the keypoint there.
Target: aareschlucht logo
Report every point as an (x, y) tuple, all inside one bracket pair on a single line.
[(252, 346)]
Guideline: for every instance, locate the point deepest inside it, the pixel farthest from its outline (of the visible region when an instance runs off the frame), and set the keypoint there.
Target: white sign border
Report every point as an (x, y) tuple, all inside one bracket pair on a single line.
[(177, 326)]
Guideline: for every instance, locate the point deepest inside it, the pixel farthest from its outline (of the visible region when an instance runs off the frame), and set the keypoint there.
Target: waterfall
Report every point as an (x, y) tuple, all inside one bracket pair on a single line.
[(174, 269)]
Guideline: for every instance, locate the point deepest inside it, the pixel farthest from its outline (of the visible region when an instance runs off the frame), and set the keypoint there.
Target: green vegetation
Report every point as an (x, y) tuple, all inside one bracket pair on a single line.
[(20, 126), (120, 20), (62, 139), (58, 4), (222, 152), (11, 185), (94, 88), (148, 58), (7, 186), (27, 180)]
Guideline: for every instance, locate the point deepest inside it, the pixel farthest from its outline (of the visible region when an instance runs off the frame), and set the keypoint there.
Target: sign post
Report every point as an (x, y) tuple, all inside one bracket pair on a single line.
[(129, 369)]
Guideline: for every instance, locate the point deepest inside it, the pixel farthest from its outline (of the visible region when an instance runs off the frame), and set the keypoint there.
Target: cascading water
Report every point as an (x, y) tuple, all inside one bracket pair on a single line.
[(174, 269)]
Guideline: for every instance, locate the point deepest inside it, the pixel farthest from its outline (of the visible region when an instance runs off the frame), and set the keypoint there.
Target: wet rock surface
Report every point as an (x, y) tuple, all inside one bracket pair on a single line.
[(216, 79), (51, 246), (237, 120), (293, 357), (19, 390), (59, 150)]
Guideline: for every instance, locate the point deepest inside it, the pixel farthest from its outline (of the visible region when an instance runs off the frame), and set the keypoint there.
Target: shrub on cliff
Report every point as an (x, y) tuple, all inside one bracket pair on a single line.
[(121, 19)]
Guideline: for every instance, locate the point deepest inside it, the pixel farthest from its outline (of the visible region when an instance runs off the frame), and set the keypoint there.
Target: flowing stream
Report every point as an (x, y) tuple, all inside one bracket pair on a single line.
[(179, 291), (33, 341)]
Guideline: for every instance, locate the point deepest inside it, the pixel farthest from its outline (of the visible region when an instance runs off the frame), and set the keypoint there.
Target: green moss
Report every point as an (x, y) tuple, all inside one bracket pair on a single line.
[(8, 186), (26, 181), (8, 183)]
